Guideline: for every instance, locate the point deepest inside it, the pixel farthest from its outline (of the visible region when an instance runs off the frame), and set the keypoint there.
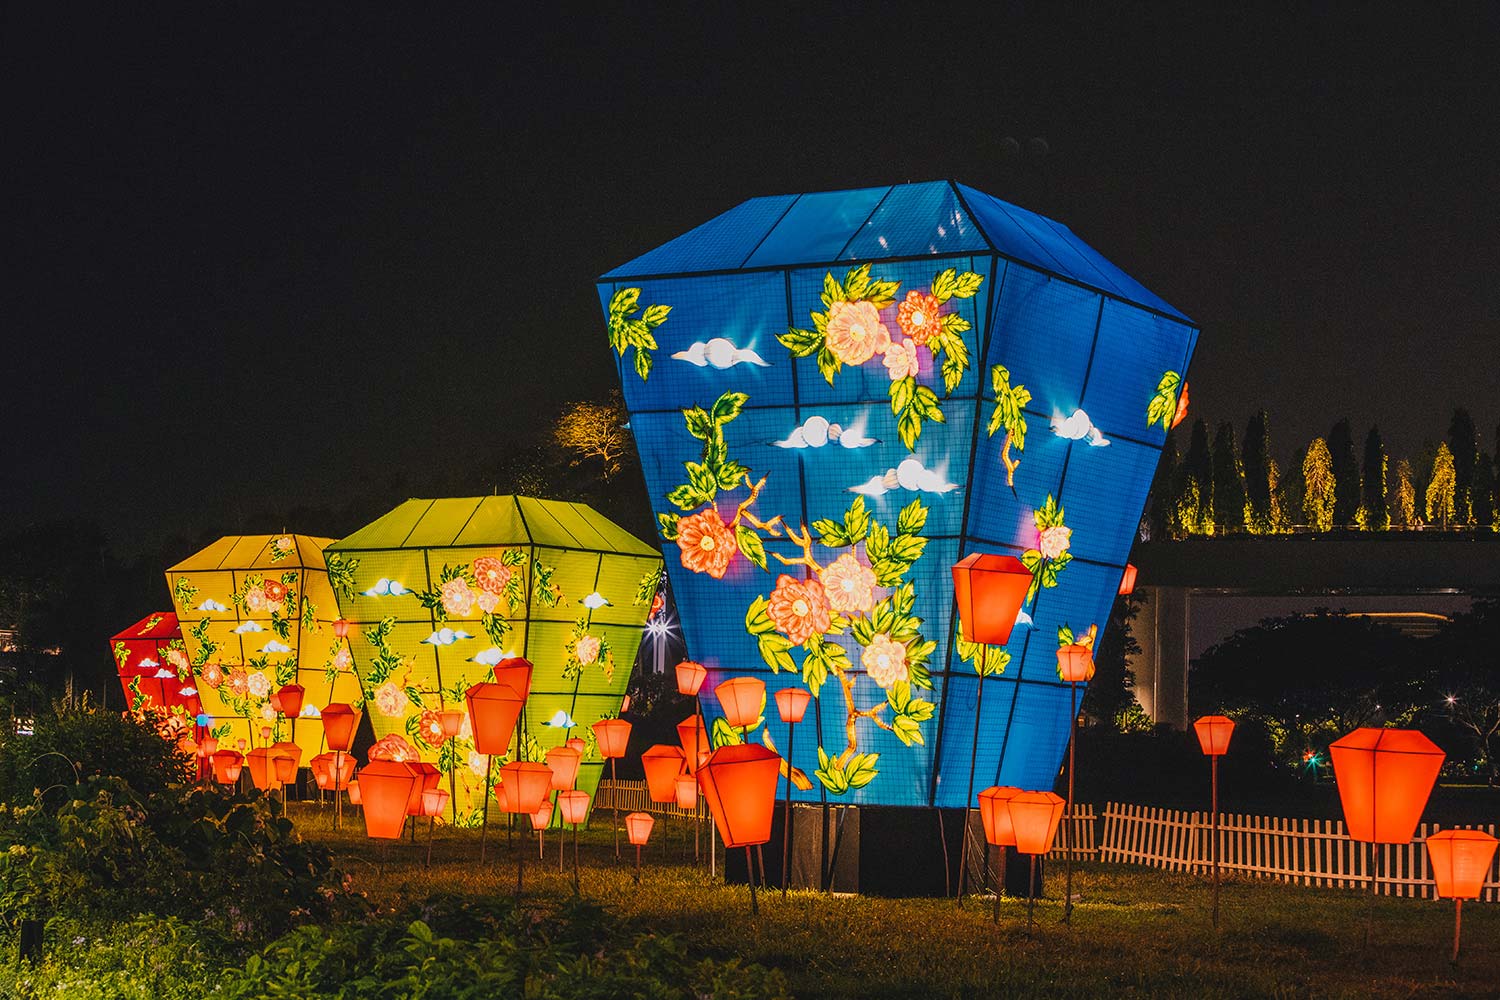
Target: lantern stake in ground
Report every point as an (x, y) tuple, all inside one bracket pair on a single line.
[(339, 723), (1075, 663), (1460, 860), (613, 736), (739, 781), (690, 677), (1213, 736), (791, 705), (1035, 817), (573, 806), (638, 827), (994, 813)]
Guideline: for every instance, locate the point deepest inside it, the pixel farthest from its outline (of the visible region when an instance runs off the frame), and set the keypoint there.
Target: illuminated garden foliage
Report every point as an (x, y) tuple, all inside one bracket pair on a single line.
[(835, 397), (439, 591)]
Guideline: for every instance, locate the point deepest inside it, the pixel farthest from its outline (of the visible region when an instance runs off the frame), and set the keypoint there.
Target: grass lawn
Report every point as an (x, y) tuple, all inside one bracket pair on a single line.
[(1136, 932)]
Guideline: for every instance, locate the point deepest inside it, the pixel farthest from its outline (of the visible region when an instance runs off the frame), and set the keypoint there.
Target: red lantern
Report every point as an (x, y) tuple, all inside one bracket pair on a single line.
[(1384, 778), (542, 816), (791, 704), (990, 590), (339, 723), (693, 736), (208, 746), (742, 699), (341, 628), (385, 788), (502, 793), (262, 763), (638, 827), (577, 743), (493, 710), (994, 813), (515, 671), (564, 762), (288, 757), (452, 721), (354, 794), (690, 677), (1213, 734), (322, 770), (427, 779), (434, 801), (527, 783), (1460, 862), (686, 787), (1127, 581), (291, 698), (275, 702), (1075, 664), (1035, 817), (739, 783), (573, 806), (662, 764), (612, 735), (227, 764)]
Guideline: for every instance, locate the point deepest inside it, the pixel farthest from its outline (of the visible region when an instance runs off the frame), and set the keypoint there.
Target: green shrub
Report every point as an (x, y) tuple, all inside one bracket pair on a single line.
[(142, 959)]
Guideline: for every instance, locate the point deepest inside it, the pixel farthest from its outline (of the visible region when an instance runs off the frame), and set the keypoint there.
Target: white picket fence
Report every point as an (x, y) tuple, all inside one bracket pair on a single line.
[(1303, 851), (633, 796)]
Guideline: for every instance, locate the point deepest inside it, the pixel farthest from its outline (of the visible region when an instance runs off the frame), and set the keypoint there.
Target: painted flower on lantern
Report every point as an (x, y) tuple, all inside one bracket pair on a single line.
[(1054, 541), (855, 332), (901, 360), (256, 600), (177, 658), (799, 608), (458, 599), (478, 762), (587, 649), (238, 682), (1051, 556), (706, 543), (258, 684), (430, 729), (491, 574), (394, 747), (918, 317), (849, 584), (267, 712), (487, 601), (212, 674), (390, 699), (275, 591), (283, 544), (343, 659), (884, 660)]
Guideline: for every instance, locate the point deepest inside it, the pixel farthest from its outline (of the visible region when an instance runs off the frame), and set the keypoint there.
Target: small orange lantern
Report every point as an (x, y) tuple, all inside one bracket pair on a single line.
[(262, 762), (341, 628), (791, 704), (638, 827), (527, 783), (208, 746), (493, 710), (502, 793), (322, 770), (573, 806), (1384, 778), (275, 702), (288, 756), (690, 678), (564, 763), (687, 792), (434, 801), (994, 813), (339, 722), (1075, 664), (1035, 816), (227, 764), (693, 736), (742, 699), (990, 590), (291, 698), (515, 671), (542, 816), (1127, 581), (1460, 864), (613, 736), (385, 788), (355, 794), (739, 782), (577, 743), (427, 779), (1213, 733), (662, 764)]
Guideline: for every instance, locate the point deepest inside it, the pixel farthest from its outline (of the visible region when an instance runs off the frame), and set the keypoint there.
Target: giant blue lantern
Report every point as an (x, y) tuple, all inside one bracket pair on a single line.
[(836, 397)]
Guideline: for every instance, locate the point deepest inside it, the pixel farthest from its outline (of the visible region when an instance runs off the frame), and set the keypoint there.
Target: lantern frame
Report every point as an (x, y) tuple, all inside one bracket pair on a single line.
[(1385, 777), (743, 700), (529, 783), (1075, 663), (990, 590), (791, 704), (340, 722), (1035, 817), (739, 783), (612, 737), (691, 741), (494, 710), (662, 764), (638, 827), (1214, 733), (690, 678), (564, 762), (1460, 862), (994, 814)]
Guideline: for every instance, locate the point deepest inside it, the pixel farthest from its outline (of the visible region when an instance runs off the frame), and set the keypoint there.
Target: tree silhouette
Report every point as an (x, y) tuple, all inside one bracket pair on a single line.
[(592, 430), (1229, 484), (1484, 492), (1463, 444), (1345, 474), (1440, 488), (1195, 508), (1374, 508), (1317, 486), (1258, 464), (1404, 501), (1162, 506)]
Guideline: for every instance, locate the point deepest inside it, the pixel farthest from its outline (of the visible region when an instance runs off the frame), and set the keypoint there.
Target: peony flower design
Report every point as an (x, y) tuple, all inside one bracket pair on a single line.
[(849, 584), (855, 332), (258, 684), (901, 360), (491, 574), (799, 608), (430, 728), (1054, 541), (705, 542), (343, 659), (267, 712), (212, 674), (393, 748), (390, 699), (238, 682), (275, 591), (284, 543), (884, 660), (256, 600), (458, 599), (917, 315), (488, 601), (587, 649), (177, 658), (478, 763)]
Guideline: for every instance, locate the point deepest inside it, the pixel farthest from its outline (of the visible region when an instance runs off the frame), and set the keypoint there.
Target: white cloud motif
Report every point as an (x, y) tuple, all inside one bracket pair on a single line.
[(386, 588), (1077, 428), (911, 475), (164, 673), (1022, 618), (146, 661), (491, 656), (188, 691), (247, 627), (310, 712), (595, 601), (560, 720), (276, 647), (720, 353), (816, 431), (211, 605), (446, 637)]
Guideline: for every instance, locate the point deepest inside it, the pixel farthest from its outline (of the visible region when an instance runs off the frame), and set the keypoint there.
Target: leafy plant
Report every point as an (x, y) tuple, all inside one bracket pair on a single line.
[(627, 330)]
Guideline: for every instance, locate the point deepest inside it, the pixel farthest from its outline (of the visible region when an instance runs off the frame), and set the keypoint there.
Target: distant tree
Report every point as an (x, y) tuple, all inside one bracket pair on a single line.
[(1345, 474), (1291, 488), (1259, 466), (1197, 471), (1463, 443), (1440, 488), (1161, 509), (1112, 691), (1318, 487), (1374, 508), (592, 430), (1229, 482), (1484, 492), (1465, 687), (1281, 516), (1404, 500)]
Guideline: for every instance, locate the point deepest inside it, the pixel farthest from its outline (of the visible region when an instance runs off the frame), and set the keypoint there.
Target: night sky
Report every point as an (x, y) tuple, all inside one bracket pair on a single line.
[(268, 259)]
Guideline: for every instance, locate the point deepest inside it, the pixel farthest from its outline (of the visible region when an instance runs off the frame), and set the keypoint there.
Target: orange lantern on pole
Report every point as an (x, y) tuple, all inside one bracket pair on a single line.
[(693, 736), (322, 770), (1034, 816), (494, 709), (574, 806), (288, 756), (662, 764), (341, 628), (339, 723), (542, 816), (355, 796), (612, 737), (527, 784), (994, 813), (262, 762), (990, 590), (577, 743), (516, 672), (1127, 581), (1075, 665), (451, 721), (791, 705), (291, 698), (638, 828), (690, 678), (1384, 778), (427, 779), (686, 787), (1460, 861), (227, 765), (742, 698), (739, 783), (434, 801), (1213, 733), (564, 763), (385, 788)]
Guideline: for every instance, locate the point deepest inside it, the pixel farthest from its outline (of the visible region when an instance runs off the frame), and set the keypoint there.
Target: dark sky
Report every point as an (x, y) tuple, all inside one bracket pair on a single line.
[(265, 258)]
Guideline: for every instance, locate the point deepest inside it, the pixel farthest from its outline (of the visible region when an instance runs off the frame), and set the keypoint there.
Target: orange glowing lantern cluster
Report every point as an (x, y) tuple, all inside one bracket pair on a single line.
[(1384, 778), (385, 787), (332, 771), (739, 783), (1034, 818), (990, 590), (662, 764), (690, 678), (427, 779), (994, 813), (742, 699), (227, 765)]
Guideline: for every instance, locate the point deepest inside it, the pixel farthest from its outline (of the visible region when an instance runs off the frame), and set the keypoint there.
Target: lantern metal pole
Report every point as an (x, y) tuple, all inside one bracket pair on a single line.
[(1214, 834), (484, 823), (637, 864), (614, 798), (963, 853), (750, 872), (1068, 816), (1031, 897), (575, 859), (521, 867), (431, 822), (1458, 919), (698, 728), (338, 799), (999, 884), (1374, 891), (786, 819)]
